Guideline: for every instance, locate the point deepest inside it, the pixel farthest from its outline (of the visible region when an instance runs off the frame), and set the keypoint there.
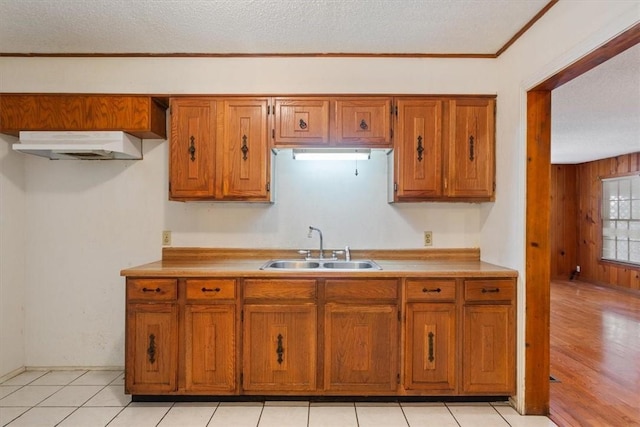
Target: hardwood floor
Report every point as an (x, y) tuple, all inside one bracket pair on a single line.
[(595, 355)]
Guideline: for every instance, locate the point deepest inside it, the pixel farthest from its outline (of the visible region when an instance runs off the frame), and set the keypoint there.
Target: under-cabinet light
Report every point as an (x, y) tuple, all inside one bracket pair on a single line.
[(332, 154)]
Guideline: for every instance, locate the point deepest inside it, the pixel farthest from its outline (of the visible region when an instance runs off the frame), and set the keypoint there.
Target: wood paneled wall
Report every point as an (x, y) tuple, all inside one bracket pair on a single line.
[(575, 220), (564, 221)]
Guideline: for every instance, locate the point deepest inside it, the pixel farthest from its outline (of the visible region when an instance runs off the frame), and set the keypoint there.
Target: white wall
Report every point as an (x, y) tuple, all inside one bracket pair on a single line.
[(87, 221), (12, 260)]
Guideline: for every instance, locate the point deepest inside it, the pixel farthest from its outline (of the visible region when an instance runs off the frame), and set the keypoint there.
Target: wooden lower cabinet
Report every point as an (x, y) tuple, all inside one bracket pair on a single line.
[(279, 352), (361, 348), (321, 336), (430, 358), (210, 348), (152, 348), (361, 336), (488, 364)]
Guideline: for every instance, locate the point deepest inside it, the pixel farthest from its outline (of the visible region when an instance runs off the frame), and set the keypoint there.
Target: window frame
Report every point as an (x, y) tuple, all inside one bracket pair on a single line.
[(601, 234)]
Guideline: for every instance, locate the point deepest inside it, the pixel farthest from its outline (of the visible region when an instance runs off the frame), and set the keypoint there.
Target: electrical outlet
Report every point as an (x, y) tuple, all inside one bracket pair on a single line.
[(428, 238), (166, 238), (577, 269)]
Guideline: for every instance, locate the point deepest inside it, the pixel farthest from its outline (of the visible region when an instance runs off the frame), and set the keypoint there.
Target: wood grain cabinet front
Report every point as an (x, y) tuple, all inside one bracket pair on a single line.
[(444, 149), (140, 115), (361, 336), (151, 354), (488, 339), (301, 121), (326, 121), (279, 336), (363, 122), (210, 336), (192, 149), (219, 149), (431, 360)]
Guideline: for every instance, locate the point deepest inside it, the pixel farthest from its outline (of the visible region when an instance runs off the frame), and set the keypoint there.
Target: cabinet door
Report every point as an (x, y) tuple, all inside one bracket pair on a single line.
[(210, 347), (488, 349), (361, 343), (418, 149), (152, 348), (471, 148), (279, 348), (301, 121), (430, 360), (364, 121), (245, 151), (192, 149)]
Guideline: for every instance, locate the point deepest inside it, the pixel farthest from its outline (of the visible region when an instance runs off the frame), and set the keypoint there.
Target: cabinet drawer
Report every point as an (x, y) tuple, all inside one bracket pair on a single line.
[(211, 289), (276, 289), (489, 290), (152, 289), (431, 290), (361, 289)]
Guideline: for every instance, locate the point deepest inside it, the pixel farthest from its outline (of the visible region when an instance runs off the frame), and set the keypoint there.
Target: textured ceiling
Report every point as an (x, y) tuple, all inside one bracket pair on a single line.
[(262, 26), (597, 115)]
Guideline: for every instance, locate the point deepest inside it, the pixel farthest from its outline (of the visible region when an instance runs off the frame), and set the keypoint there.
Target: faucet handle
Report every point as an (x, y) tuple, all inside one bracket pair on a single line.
[(334, 254), (347, 253), (306, 253)]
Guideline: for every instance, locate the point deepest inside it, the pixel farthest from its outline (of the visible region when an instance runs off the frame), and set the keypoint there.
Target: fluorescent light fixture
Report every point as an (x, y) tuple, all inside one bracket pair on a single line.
[(332, 154)]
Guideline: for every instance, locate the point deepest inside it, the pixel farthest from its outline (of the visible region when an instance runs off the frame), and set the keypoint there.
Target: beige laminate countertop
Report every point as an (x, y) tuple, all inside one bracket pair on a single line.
[(199, 262)]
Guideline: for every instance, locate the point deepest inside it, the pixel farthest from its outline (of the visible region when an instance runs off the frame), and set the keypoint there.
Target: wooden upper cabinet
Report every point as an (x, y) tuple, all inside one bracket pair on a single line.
[(471, 171), (192, 148), (245, 150), (333, 121), (418, 149), (301, 121), (138, 115), (363, 121), (219, 149), (444, 149)]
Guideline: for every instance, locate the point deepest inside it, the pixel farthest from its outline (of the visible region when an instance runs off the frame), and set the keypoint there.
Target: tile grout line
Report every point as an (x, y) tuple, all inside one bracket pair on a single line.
[(454, 417), (501, 416)]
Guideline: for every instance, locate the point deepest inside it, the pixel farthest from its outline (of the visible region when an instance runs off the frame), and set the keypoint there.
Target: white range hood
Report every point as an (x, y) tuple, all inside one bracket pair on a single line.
[(82, 145)]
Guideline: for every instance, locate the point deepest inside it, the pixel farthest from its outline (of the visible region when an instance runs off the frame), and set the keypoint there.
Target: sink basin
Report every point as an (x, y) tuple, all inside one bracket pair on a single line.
[(297, 264), (291, 264), (352, 265)]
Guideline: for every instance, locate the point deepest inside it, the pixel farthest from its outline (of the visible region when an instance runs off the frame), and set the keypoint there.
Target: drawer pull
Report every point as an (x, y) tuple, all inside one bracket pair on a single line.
[(151, 290), (280, 350), (437, 290), (210, 290), (488, 291)]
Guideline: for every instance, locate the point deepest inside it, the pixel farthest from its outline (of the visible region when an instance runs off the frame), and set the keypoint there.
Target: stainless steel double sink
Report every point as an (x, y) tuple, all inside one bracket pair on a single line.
[(320, 264)]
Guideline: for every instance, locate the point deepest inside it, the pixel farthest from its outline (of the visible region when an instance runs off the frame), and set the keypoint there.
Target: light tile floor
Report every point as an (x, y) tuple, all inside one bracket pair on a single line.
[(96, 399)]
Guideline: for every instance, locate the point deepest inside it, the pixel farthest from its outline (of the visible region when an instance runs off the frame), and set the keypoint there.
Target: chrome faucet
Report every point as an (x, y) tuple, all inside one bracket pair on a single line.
[(311, 230)]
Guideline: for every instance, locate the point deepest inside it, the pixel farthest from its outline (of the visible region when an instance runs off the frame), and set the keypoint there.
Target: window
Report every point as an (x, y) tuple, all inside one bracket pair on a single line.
[(621, 219)]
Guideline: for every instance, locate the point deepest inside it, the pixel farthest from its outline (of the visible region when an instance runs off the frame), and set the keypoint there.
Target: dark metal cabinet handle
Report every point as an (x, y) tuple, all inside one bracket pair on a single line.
[(151, 290), (420, 149), (490, 291), (151, 350), (302, 124), (431, 356), (210, 290), (244, 148), (472, 150), (192, 148), (425, 290), (280, 350), (364, 125)]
